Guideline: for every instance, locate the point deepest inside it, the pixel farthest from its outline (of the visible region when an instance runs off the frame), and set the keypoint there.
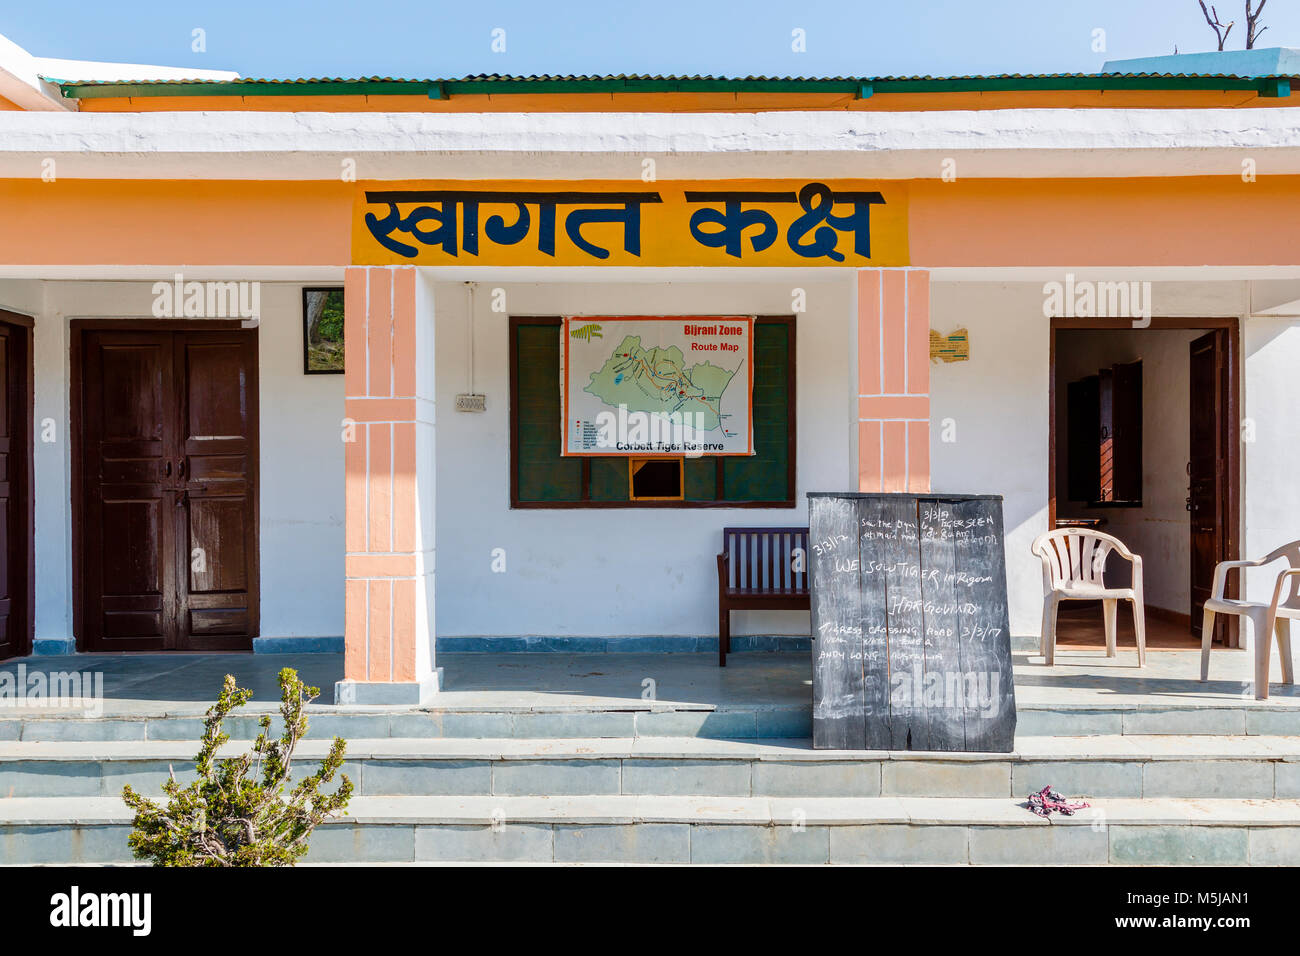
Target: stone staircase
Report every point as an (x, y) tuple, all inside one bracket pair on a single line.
[(672, 784)]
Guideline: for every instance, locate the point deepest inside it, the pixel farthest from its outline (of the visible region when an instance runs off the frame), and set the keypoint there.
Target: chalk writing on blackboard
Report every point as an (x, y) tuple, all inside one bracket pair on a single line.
[(911, 645)]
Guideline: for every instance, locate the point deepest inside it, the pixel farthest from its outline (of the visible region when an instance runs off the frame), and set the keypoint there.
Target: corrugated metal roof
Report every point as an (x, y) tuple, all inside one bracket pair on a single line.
[(655, 78), (496, 83)]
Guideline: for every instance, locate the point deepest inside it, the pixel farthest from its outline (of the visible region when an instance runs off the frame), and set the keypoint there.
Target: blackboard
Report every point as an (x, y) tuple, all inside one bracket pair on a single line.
[(911, 639)]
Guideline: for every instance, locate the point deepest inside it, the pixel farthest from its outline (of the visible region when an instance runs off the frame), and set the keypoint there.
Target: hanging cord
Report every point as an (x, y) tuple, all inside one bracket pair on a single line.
[(470, 287)]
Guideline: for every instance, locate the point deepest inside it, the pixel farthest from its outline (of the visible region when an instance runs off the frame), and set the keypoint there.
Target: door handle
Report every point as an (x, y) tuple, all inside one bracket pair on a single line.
[(180, 467), (167, 469)]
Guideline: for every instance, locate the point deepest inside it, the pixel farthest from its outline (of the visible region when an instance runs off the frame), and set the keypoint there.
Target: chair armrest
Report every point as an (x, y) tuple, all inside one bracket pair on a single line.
[(723, 564), (1041, 549), (1221, 573), (1119, 547), (1049, 572), (1277, 591)]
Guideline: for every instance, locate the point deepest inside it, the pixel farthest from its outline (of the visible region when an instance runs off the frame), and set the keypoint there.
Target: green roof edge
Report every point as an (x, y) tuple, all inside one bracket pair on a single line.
[(1265, 86)]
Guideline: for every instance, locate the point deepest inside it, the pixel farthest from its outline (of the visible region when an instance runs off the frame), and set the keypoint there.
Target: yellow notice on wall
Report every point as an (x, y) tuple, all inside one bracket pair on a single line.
[(631, 223)]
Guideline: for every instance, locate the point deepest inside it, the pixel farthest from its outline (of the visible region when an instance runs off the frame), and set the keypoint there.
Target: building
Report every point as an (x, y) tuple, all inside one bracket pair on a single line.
[(931, 265)]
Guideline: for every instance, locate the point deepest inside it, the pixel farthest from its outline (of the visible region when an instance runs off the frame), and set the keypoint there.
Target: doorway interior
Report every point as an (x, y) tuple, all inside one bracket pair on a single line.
[(1144, 445), (165, 479)]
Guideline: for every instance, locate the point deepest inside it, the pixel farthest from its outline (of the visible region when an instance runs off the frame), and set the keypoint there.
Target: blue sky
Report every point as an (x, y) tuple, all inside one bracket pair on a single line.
[(404, 38)]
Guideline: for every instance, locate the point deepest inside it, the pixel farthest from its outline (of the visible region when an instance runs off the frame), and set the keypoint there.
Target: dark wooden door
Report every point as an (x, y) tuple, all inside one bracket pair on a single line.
[(1208, 499), (168, 524), (15, 457), (215, 497)]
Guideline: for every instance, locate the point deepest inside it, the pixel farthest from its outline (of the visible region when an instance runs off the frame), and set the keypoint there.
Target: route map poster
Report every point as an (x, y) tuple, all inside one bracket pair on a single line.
[(679, 385)]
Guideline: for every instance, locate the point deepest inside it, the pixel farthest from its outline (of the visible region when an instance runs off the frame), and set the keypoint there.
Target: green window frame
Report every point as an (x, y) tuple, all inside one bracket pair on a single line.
[(540, 477)]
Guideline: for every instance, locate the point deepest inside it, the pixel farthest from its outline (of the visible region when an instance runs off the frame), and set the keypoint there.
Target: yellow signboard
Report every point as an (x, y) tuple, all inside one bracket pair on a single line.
[(607, 223)]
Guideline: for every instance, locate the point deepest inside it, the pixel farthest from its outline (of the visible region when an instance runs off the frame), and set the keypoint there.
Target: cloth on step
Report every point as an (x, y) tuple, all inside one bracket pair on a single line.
[(1047, 801)]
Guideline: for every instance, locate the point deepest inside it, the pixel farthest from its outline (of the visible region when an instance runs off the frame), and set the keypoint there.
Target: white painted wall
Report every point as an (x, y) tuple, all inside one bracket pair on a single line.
[(612, 572), (1019, 143), (52, 460), (301, 457), (1271, 489), (995, 406), (998, 404), (1160, 530), (426, 497), (301, 479), (663, 582)]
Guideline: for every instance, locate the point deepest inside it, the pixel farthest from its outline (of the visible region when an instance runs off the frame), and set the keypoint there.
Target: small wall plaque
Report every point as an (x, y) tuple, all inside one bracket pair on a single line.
[(471, 403), (953, 347)]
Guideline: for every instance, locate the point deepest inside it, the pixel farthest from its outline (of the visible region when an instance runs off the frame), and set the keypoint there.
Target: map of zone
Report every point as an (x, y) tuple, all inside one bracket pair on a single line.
[(640, 374)]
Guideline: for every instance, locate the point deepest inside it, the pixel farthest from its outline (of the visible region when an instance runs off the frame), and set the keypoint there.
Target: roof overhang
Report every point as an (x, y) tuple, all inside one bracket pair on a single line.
[(1040, 143), (22, 84), (25, 79)]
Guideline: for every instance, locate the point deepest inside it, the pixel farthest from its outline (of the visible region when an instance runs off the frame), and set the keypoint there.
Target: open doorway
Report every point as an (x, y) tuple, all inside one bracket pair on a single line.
[(1143, 446)]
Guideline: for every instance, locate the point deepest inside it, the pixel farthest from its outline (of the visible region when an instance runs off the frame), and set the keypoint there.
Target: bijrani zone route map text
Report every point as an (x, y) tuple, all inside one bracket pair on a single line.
[(657, 385)]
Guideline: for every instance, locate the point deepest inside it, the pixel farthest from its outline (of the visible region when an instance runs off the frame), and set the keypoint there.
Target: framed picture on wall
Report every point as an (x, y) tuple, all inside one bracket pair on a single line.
[(322, 331)]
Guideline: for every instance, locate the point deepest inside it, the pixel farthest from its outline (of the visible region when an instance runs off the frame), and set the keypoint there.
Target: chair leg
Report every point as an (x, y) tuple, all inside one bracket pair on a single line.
[(1108, 611), (1140, 626), (1263, 646), (1048, 640), (1282, 626), (1207, 635), (1042, 632), (724, 634)]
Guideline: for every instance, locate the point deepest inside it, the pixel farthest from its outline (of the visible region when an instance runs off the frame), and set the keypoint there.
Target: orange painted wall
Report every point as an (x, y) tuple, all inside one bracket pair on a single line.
[(147, 222), (1174, 221), (1185, 221), (696, 102)]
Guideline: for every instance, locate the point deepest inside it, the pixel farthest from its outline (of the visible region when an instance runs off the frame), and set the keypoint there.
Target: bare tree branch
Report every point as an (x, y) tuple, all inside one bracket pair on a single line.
[(1252, 21), (1212, 18)]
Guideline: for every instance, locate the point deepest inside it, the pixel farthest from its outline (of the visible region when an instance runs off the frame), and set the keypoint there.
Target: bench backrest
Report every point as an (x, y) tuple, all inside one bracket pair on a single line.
[(762, 559)]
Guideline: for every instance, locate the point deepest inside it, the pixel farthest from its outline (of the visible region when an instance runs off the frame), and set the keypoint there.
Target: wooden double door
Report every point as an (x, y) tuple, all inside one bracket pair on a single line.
[(166, 528)]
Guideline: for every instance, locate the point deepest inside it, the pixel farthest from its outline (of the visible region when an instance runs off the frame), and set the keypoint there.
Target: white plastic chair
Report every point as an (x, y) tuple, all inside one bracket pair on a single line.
[(1074, 568), (1265, 619)]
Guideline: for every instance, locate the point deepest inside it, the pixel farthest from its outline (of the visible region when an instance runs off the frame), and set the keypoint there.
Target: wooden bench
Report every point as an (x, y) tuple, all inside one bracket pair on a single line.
[(756, 572)]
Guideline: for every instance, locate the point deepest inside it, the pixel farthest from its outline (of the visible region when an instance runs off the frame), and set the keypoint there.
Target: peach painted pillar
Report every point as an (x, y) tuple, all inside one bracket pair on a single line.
[(893, 380), (388, 432)]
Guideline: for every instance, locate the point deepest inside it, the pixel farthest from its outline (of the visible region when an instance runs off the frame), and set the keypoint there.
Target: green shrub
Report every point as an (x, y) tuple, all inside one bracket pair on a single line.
[(236, 812)]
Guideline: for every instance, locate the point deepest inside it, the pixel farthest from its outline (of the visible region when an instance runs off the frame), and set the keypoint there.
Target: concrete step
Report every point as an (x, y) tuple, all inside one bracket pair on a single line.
[(636, 719), (649, 719), (1118, 766), (664, 829)]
